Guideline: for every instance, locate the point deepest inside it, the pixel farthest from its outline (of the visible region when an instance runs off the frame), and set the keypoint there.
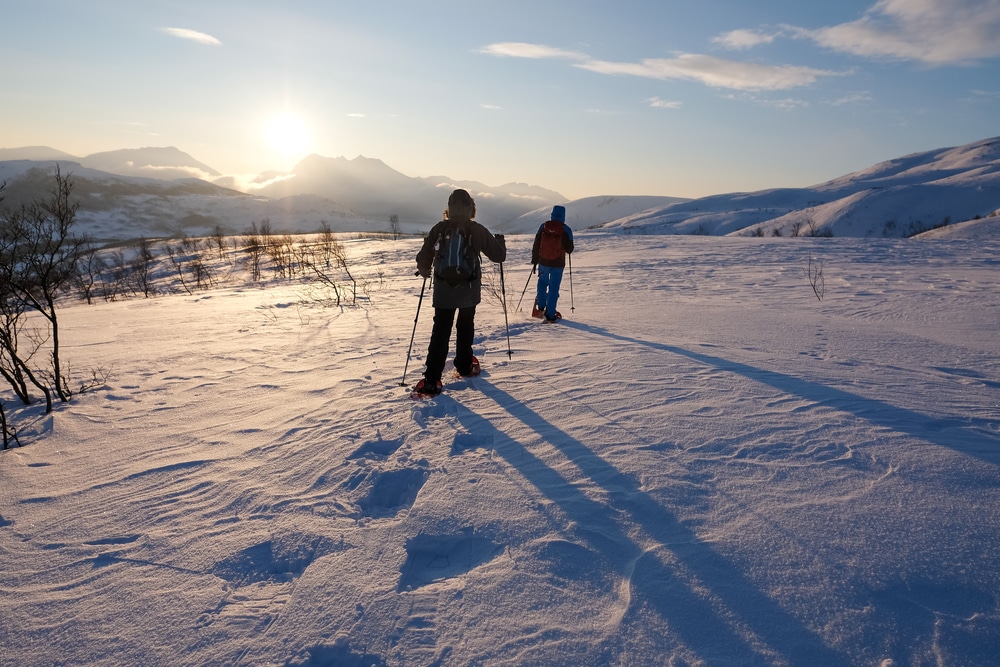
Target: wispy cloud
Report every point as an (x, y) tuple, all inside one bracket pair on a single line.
[(708, 70), (535, 51), (852, 98), (192, 35), (714, 72), (739, 40), (935, 32), (657, 103), (491, 107)]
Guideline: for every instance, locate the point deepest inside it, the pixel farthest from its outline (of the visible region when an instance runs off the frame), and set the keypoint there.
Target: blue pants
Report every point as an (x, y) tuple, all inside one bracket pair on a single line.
[(549, 279)]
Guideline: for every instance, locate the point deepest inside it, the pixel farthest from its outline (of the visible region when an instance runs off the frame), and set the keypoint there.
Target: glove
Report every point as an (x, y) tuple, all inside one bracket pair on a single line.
[(423, 274), (498, 237)]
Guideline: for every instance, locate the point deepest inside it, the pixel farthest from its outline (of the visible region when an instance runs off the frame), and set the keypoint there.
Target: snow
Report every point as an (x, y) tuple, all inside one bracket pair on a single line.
[(703, 464), (896, 198)]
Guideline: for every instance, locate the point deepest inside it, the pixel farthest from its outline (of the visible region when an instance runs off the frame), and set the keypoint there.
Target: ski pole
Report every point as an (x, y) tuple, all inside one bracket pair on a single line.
[(571, 306), (533, 267), (402, 382), (503, 293)]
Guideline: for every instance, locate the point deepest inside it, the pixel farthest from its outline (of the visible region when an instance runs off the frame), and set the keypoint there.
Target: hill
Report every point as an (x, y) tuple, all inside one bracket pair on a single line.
[(896, 198), (163, 163), (153, 192), (371, 187), (131, 193)]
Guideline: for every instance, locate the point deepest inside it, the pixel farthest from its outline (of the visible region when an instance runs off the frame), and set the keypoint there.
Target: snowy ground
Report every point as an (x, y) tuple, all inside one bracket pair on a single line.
[(704, 464)]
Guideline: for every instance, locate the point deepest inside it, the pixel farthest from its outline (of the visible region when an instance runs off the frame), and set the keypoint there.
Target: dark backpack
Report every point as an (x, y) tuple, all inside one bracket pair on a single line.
[(456, 261), (551, 247)]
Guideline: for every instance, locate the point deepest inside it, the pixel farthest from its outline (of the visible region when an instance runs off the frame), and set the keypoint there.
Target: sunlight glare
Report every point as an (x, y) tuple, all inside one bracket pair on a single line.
[(287, 134)]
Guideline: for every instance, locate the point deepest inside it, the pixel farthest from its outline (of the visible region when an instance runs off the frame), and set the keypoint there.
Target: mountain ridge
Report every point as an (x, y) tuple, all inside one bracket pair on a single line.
[(903, 196)]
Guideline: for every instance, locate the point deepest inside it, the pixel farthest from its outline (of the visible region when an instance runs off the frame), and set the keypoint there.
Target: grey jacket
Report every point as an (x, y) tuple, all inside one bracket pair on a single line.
[(467, 294)]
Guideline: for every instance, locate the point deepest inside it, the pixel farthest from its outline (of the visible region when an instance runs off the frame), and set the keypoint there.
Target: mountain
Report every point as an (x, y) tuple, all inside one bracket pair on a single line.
[(34, 153), (899, 197), (116, 208), (373, 189), (596, 211), (165, 163), (150, 192)]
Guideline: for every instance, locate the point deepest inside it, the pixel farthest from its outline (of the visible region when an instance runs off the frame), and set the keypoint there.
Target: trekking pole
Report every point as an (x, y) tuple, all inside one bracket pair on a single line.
[(503, 293), (402, 382), (572, 308), (533, 266)]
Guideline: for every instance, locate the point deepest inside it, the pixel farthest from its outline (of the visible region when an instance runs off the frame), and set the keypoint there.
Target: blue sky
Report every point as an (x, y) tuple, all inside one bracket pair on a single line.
[(586, 98)]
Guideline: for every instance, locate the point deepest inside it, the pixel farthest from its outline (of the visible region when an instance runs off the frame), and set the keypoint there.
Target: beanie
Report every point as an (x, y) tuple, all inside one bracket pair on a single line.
[(559, 213), (461, 205)]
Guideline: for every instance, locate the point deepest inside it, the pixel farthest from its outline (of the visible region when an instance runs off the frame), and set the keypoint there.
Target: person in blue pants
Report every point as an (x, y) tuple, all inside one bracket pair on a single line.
[(553, 242)]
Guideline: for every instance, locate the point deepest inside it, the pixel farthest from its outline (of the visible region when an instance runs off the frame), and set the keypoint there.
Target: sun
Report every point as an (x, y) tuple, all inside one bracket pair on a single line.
[(287, 135)]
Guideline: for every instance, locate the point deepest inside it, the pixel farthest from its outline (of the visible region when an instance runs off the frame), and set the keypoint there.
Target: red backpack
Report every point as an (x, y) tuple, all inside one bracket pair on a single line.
[(551, 247)]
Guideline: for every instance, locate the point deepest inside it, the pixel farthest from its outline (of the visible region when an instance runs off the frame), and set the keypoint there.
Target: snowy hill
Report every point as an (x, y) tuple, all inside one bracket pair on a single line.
[(896, 198), (900, 197), (704, 464), (34, 153), (373, 188), (150, 192), (592, 211), (164, 163), (117, 208)]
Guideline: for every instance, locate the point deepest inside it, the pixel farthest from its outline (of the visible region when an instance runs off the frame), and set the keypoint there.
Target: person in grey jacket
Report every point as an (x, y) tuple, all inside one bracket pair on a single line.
[(451, 296)]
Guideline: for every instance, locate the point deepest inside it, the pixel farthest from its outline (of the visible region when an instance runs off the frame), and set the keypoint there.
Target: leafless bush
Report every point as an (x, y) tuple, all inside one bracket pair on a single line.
[(492, 286), (814, 272)]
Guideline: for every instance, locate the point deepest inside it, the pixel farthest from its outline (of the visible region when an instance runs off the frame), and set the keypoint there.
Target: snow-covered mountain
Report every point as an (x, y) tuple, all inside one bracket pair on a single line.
[(156, 192), (900, 197), (117, 208), (132, 193), (595, 211), (372, 188)]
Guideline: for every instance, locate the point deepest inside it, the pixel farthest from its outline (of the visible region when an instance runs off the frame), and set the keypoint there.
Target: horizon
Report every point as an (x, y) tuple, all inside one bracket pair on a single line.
[(580, 100)]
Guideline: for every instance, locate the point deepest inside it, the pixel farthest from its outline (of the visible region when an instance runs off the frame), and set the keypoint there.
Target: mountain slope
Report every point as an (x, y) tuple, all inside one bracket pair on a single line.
[(377, 191), (899, 197), (34, 153), (165, 163)]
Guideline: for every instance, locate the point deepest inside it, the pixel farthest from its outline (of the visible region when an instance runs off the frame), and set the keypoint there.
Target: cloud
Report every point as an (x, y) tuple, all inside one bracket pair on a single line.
[(709, 70), (713, 72), (995, 94), (852, 98), (738, 40), (535, 51), (935, 32), (192, 35), (657, 103)]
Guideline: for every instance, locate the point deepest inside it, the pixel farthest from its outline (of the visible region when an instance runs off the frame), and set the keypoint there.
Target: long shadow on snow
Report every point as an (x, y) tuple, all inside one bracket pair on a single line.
[(699, 624), (959, 436)]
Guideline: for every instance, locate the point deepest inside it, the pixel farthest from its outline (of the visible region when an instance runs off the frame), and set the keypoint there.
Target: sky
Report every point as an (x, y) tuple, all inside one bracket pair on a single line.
[(585, 98)]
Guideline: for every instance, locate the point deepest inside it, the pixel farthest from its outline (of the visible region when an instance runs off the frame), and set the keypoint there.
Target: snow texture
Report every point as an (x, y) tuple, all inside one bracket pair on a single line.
[(703, 464)]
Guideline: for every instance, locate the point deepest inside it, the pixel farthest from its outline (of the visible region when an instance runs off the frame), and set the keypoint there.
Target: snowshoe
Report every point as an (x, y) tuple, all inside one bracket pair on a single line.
[(425, 389), (537, 312), (474, 370)]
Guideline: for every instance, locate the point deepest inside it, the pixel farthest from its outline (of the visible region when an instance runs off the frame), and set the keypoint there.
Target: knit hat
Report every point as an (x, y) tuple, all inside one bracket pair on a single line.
[(461, 205), (559, 213)]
